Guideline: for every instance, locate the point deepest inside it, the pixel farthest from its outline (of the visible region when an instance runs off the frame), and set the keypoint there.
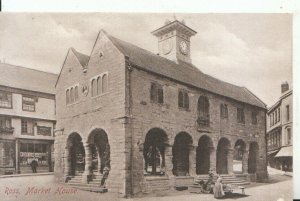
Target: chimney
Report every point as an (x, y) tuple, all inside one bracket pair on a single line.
[(284, 87)]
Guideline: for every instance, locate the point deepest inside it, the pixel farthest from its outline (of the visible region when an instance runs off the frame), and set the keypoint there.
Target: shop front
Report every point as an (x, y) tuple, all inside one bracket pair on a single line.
[(7, 157), (38, 150)]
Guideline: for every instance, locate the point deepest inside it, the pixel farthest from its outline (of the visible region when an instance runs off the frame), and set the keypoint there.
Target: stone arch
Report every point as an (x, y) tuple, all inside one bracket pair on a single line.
[(181, 151), (253, 157), (223, 156), (155, 143), (99, 150), (239, 156), (203, 152), (75, 155)]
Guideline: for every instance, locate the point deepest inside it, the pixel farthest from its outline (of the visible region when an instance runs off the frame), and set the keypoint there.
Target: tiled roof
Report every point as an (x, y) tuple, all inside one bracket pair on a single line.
[(184, 72), (28, 79), (82, 58)]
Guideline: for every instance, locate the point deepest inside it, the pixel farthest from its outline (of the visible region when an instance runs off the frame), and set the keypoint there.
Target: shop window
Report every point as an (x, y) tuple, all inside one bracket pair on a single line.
[(203, 111), (27, 127), (28, 104), (254, 117), (224, 111), (7, 154), (30, 151), (156, 93), (183, 99), (5, 100), (240, 115)]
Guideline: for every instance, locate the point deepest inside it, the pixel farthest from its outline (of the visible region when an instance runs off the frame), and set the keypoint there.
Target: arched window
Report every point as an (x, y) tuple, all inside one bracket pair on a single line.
[(76, 93), (68, 96), (240, 115), (94, 88), (104, 83), (203, 111), (72, 95), (254, 117), (99, 83)]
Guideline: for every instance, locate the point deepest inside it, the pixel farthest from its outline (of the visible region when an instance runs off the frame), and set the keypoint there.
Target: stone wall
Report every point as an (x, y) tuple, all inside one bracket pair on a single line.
[(167, 116)]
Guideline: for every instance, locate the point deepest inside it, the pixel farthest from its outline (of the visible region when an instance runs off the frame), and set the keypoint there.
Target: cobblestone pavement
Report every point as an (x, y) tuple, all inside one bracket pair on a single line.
[(24, 188)]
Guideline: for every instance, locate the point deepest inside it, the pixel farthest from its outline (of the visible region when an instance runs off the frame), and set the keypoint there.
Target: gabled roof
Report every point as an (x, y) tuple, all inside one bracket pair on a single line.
[(28, 79), (184, 72), (82, 58)]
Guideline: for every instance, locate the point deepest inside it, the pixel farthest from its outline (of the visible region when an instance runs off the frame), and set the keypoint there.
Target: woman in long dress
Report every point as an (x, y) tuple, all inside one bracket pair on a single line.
[(218, 188)]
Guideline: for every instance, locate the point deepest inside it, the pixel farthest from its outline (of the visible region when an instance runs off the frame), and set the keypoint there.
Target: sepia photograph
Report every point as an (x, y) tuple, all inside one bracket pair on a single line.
[(146, 106)]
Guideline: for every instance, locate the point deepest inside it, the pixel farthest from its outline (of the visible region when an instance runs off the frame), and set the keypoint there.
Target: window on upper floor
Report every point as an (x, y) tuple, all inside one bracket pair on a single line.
[(275, 115), (28, 103), (72, 95), (5, 125), (254, 117), (99, 85), (288, 136), (27, 126), (5, 99), (224, 111), (278, 114), (287, 112), (157, 93), (240, 115), (183, 99), (203, 111)]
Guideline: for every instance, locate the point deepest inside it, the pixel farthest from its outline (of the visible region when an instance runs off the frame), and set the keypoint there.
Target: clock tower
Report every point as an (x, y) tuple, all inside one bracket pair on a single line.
[(174, 41)]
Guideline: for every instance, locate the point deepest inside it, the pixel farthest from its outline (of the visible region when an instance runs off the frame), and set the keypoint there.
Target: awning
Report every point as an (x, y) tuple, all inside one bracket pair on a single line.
[(285, 152)]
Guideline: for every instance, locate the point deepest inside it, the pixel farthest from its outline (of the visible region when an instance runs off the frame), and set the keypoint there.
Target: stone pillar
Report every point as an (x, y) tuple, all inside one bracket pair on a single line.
[(230, 161), (86, 176), (213, 159), (245, 162), (192, 160), (17, 154), (67, 161), (168, 160)]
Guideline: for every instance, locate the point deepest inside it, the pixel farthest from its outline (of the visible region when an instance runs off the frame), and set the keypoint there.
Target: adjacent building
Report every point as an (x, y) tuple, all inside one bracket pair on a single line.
[(280, 131), (154, 120), (27, 119)]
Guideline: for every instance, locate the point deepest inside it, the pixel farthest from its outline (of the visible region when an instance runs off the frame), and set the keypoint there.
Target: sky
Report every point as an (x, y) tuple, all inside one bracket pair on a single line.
[(250, 50)]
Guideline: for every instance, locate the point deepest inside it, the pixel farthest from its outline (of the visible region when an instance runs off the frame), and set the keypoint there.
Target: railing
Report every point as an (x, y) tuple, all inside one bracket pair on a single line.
[(7, 129)]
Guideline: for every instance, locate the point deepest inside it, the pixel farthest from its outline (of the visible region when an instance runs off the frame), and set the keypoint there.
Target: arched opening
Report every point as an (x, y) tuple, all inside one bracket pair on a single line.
[(204, 149), (76, 154), (222, 156), (154, 151), (100, 150), (180, 151), (253, 155), (238, 156)]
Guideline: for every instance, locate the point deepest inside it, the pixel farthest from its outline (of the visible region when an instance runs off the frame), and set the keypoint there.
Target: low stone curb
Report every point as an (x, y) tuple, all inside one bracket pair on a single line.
[(26, 175)]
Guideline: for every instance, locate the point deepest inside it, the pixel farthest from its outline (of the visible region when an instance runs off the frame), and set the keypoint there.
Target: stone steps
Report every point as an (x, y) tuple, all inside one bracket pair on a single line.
[(238, 180)]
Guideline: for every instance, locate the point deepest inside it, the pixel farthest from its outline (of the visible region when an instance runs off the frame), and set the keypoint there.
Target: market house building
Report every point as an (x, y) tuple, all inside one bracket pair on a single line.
[(153, 119), (27, 119), (280, 131)]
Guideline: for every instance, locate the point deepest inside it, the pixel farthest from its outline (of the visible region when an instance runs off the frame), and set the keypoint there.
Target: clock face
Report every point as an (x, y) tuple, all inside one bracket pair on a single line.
[(167, 46), (183, 47)]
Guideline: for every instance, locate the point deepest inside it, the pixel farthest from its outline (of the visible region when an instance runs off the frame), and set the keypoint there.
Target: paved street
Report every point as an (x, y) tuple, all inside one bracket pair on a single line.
[(43, 188)]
